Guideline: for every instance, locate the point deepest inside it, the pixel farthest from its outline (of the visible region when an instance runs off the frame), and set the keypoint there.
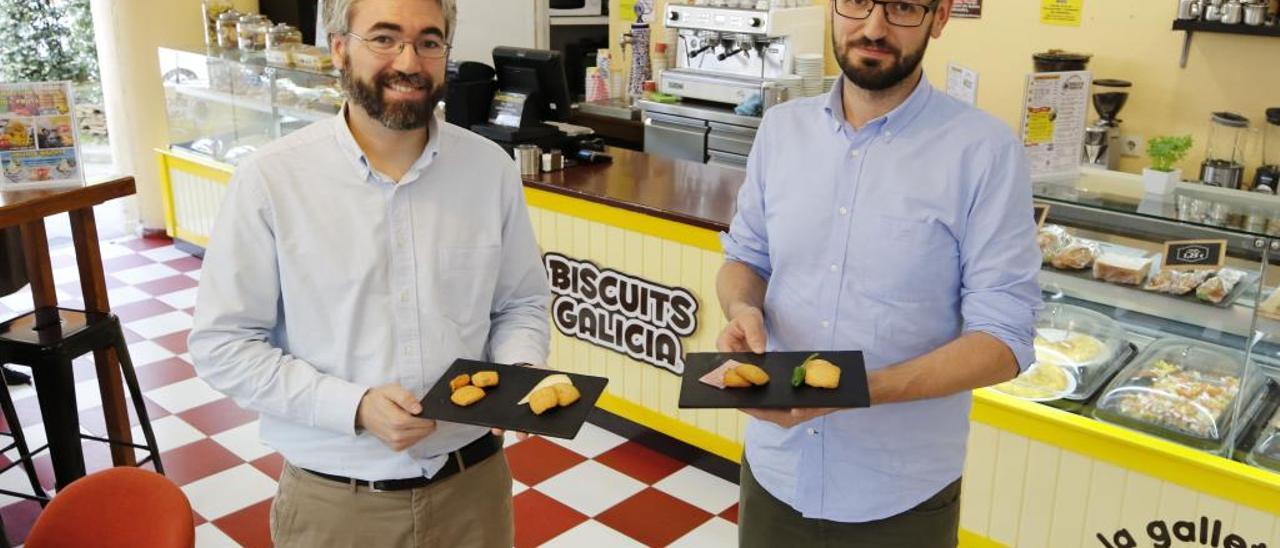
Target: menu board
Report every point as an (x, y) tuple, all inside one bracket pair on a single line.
[(1054, 110), (38, 147)]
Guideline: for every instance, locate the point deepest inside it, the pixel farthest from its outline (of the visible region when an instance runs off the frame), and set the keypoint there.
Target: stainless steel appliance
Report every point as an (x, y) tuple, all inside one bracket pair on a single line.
[(1224, 152), (1102, 139), (1267, 178), (724, 54), (699, 133)]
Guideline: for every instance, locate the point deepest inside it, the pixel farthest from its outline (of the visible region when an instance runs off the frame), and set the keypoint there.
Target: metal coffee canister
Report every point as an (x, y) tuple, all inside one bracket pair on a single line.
[(528, 159)]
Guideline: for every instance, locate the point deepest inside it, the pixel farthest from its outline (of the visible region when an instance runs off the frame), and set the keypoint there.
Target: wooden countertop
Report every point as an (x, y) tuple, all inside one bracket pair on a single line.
[(686, 192), (22, 206)]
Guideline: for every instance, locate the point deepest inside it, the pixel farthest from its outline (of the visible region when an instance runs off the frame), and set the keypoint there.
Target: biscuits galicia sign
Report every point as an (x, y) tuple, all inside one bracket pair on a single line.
[(623, 313)]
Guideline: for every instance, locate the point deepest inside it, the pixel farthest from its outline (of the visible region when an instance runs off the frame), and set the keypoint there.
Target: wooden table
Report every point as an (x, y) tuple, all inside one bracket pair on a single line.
[(27, 209)]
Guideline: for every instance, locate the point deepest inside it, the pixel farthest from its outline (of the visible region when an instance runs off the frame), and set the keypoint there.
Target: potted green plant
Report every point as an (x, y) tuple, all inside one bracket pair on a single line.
[(1165, 151)]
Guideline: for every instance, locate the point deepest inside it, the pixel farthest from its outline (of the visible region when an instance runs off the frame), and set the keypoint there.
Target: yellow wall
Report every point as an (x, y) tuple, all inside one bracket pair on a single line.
[(1131, 40)]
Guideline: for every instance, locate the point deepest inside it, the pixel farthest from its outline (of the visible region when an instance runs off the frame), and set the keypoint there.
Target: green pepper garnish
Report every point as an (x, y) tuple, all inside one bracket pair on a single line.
[(797, 374)]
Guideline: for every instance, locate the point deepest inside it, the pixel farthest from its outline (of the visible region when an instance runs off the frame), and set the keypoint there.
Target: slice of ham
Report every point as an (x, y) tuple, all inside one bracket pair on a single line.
[(715, 377)]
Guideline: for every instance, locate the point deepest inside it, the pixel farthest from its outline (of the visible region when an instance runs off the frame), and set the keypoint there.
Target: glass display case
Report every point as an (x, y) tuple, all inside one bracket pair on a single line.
[(1199, 355), (224, 104)]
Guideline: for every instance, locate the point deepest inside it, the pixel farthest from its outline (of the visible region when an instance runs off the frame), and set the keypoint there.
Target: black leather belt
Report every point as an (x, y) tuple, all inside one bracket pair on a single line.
[(470, 455)]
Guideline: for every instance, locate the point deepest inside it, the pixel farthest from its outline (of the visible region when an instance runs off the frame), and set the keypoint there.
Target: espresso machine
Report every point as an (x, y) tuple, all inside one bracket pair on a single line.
[(1102, 138), (725, 55)]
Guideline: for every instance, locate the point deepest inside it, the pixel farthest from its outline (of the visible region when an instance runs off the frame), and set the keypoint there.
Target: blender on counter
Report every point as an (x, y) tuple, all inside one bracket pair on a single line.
[(1268, 175), (1102, 139), (1224, 152)]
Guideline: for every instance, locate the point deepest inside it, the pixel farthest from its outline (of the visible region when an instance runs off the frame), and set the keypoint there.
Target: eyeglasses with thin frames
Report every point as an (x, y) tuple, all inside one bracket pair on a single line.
[(897, 13), (386, 46)]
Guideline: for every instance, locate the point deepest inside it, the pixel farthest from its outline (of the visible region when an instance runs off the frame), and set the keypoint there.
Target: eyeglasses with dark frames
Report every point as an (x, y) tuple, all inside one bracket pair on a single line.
[(897, 13)]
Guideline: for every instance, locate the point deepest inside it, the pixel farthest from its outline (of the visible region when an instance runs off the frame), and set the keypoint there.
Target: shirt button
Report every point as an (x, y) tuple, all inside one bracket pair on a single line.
[(404, 297), (854, 154), (834, 268), (812, 432), (826, 323), (844, 211)]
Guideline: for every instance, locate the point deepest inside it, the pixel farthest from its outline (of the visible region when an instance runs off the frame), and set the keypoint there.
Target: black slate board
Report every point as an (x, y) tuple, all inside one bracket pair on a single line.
[(499, 409), (778, 394)]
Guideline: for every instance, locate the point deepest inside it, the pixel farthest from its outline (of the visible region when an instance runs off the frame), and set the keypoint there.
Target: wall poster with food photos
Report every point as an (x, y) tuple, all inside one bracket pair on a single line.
[(38, 144)]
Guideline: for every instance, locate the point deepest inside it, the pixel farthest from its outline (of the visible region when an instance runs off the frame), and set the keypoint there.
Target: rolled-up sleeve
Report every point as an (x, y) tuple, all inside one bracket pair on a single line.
[(1000, 260), (747, 240), (520, 329), (237, 312)]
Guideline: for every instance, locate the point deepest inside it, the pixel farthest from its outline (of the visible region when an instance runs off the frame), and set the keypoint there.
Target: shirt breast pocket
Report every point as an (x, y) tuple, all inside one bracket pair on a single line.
[(468, 277), (903, 259)]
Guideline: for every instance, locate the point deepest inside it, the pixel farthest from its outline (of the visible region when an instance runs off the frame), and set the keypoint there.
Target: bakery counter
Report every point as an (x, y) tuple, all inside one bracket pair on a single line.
[(1038, 474), (654, 220), (698, 195)]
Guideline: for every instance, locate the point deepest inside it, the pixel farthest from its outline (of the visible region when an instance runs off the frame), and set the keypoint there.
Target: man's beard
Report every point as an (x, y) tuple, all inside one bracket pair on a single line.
[(397, 115), (877, 75)]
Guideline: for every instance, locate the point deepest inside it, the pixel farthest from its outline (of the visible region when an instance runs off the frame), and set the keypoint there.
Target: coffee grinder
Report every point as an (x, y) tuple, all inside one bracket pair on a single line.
[(1224, 152), (1267, 177), (1102, 138)]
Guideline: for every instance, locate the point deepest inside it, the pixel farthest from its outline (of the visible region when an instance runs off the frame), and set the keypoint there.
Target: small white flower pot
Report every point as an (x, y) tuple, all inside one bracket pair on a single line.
[(1160, 182)]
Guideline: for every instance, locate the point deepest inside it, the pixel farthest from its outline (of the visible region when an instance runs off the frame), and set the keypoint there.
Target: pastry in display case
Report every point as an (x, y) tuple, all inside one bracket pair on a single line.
[(224, 104), (1123, 265), (1180, 390), (1077, 351)]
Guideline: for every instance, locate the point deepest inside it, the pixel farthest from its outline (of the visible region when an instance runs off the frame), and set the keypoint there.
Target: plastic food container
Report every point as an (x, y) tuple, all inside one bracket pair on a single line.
[(1077, 350), (1181, 390), (1266, 453)]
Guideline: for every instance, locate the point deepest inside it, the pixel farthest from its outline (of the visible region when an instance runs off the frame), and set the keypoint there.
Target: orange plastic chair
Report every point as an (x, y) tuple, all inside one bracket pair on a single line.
[(116, 507)]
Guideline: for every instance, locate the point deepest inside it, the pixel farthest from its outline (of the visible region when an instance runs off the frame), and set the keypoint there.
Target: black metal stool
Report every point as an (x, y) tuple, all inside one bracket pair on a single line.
[(49, 352)]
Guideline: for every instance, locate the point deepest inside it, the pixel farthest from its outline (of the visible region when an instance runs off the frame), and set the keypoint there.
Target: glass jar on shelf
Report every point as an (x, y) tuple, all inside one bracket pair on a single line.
[(212, 10), (282, 34), (228, 37), (252, 32)]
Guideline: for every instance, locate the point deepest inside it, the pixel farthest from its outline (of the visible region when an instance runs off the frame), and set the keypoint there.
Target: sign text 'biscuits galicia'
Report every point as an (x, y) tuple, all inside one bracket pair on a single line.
[(620, 312)]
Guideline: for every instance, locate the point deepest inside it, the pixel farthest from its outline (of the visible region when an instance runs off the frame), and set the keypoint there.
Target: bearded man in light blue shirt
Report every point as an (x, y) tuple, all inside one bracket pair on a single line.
[(351, 263), (889, 218)]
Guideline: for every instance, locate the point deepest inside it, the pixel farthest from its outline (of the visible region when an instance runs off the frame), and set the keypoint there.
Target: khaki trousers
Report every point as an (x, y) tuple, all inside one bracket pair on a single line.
[(471, 508)]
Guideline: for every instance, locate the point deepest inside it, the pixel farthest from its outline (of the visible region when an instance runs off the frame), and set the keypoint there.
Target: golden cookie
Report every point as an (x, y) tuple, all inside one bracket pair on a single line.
[(543, 399), (566, 394), (466, 395), (733, 380), (459, 382), (820, 373), (485, 379), (752, 373)]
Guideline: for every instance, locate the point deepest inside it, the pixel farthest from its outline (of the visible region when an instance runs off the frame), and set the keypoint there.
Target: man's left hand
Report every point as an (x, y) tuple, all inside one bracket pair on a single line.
[(788, 418)]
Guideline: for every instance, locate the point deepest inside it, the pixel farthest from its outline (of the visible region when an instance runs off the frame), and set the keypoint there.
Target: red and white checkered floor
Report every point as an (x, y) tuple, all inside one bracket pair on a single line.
[(615, 485)]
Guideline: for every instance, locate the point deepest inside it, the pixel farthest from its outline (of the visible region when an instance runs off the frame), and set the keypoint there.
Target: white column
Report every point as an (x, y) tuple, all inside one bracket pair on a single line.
[(128, 35)]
